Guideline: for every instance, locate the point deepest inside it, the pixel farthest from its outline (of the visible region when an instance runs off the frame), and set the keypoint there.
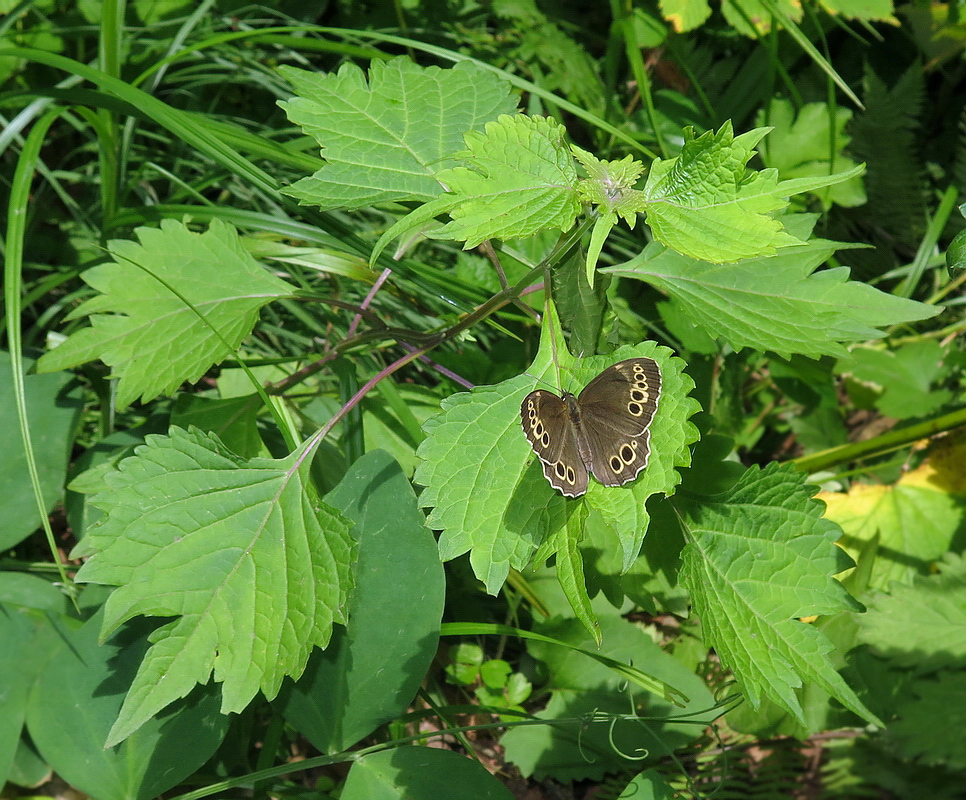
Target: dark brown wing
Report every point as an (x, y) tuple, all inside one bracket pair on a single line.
[(615, 410), (553, 437)]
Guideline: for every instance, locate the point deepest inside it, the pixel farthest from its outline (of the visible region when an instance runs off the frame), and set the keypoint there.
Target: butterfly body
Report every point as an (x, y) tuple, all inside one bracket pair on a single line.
[(602, 431)]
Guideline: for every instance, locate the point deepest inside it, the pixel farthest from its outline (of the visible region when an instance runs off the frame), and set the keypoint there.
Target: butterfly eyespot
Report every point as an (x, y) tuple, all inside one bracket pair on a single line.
[(545, 439), (561, 470), (571, 475), (538, 430), (639, 395), (615, 464), (635, 408), (627, 453)]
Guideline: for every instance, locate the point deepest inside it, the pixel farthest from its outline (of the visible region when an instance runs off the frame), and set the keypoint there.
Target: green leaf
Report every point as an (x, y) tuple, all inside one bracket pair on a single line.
[(776, 303), (705, 204), (28, 604), (53, 410), (916, 734), (757, 559), (905, 625), (153, 336), (520, 179), (485, 486), (916, 521), (648, 785), (570, 568), (233, 419), (420, 773), (383, 141), (88, 679), (799, 147), (371, 669), (904, 377), (609, 186), (593, 709), (256, 568)]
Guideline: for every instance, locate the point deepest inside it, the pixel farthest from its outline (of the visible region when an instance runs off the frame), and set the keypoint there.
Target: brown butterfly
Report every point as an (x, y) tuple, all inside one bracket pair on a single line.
[(603, 430)]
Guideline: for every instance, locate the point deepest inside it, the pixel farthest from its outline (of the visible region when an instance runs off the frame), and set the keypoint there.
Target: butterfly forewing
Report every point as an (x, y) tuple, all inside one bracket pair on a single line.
[(549, 428), (604, 430)]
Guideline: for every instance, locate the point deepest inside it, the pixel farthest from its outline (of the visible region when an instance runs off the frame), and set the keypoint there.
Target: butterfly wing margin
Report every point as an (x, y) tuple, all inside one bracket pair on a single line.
[(547, 425)]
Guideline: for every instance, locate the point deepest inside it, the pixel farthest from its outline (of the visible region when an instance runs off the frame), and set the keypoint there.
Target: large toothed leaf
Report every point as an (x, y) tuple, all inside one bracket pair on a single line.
[(486, 486), (152, 335), (776, 302), (758, 559), (254, 566), (705, 204), (383, 140), (520, 179)]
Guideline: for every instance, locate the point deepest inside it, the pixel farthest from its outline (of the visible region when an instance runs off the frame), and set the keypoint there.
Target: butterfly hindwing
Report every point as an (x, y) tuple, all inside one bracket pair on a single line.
[(604, 430), (616, 409), (550, 430)]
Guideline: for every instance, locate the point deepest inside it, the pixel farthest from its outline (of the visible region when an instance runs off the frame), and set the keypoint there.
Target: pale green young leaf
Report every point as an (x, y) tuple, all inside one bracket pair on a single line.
[(609, 187), (384, 140), (253, 564), (758, 558), (152, 338), (704, 203), (485, 486), (775, 303), (520, 179)]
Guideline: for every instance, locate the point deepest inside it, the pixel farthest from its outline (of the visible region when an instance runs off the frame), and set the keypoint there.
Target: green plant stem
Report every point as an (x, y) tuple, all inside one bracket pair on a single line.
[(928, 243), (846, 453), (632, 50)]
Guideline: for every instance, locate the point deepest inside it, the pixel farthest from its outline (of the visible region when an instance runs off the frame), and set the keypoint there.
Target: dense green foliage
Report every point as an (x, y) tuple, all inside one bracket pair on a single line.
[(274, 295)]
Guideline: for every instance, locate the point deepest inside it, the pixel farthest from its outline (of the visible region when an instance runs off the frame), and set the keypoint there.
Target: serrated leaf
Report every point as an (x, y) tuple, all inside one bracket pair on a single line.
[(570, 569), (153, 339), (520, 179), (371, 670), (256, 568), (757, 559), (383, 141), (609, 187), (916, 734), (905, 624), (485, 486), (775, 303), (705, 204)]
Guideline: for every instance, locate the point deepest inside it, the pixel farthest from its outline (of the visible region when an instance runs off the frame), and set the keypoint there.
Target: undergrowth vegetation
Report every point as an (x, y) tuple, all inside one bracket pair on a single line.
[(482, 400)]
